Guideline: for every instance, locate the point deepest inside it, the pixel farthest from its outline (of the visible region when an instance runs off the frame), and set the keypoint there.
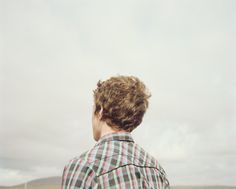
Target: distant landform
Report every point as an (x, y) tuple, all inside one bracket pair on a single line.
[(55, 182)]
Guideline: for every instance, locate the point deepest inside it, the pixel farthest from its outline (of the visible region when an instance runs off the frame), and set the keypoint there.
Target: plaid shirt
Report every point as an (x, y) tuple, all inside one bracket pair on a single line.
[(115, 161)]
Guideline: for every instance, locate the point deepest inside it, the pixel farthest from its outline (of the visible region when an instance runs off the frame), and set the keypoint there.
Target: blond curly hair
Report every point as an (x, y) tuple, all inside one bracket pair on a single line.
[(124, 100)]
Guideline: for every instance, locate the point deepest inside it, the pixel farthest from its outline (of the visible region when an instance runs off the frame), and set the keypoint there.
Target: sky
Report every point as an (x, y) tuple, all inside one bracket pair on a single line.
[(54, 52)]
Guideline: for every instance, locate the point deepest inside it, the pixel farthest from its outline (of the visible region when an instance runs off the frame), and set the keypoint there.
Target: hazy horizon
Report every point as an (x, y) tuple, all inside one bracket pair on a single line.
[(54, 52)]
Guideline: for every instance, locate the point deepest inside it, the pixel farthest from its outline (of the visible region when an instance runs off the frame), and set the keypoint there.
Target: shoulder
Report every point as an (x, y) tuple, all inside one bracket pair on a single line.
[(82, 160), (78, 173), (144, 157), (81, 163), (75, 166), (147, 159)]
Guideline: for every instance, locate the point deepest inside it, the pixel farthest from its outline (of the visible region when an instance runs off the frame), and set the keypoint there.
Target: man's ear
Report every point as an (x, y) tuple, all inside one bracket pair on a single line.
[(100, 113)]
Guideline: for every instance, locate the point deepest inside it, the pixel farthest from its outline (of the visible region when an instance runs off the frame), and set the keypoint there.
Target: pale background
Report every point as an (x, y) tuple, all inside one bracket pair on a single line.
[(54, 52)]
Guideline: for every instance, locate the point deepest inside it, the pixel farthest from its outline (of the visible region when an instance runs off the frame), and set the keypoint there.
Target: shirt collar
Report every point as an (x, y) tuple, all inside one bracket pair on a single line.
[(120, 136)]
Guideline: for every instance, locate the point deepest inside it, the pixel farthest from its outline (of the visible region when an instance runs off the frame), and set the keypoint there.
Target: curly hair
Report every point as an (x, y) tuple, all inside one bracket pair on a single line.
[(124, 100)]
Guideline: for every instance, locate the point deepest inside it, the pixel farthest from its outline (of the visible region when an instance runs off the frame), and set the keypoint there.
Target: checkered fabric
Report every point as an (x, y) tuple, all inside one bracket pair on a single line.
[(115, 162)]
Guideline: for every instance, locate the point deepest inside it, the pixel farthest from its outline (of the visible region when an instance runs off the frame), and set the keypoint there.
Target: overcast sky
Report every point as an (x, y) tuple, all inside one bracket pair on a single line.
[(54, 52)]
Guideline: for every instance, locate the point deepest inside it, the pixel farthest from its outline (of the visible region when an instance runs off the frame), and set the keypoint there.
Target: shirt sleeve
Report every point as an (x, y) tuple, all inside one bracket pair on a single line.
[(165, 181), (78, 174)]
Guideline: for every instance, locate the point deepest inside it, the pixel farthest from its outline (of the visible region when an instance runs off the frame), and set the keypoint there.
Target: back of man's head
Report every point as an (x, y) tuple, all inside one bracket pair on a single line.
[(124, 100)]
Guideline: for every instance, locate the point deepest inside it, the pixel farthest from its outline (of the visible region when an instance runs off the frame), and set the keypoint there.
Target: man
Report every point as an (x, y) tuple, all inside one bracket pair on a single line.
[(116, 161)]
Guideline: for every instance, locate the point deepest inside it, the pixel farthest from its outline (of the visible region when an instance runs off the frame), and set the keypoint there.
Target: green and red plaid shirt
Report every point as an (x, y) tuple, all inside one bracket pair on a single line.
[(115, 161)]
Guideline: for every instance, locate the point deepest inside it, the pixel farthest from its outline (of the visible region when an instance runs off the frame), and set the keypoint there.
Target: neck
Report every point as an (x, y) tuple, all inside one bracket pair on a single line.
[(108, 130)]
